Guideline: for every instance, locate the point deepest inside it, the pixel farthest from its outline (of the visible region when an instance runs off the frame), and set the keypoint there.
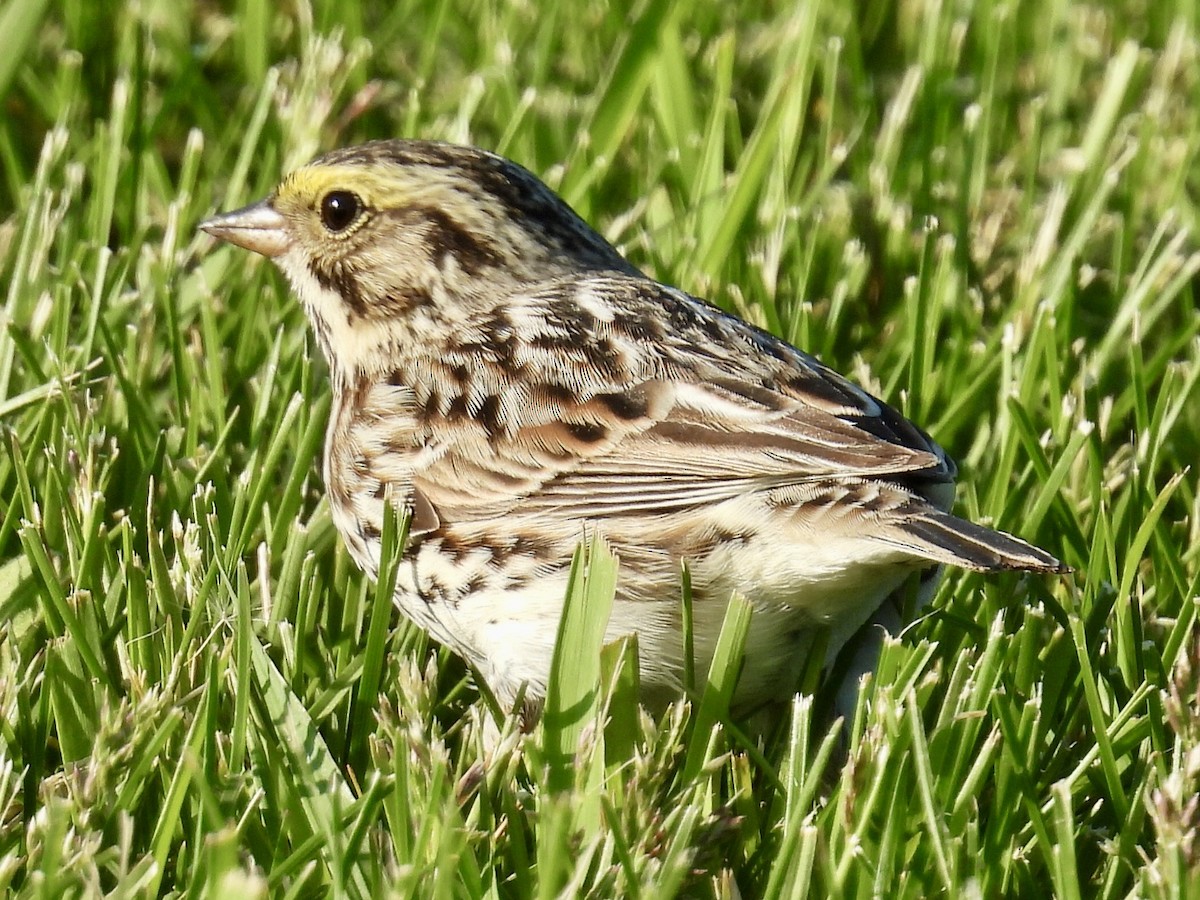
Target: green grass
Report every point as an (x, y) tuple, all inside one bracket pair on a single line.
[(984, 211)]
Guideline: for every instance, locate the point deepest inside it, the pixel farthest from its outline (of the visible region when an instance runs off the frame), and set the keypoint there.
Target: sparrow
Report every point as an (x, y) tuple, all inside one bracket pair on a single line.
[(504, 375)]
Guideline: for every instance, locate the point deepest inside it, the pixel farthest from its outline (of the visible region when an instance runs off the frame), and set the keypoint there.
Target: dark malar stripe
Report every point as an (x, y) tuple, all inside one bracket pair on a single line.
[(335, 278)]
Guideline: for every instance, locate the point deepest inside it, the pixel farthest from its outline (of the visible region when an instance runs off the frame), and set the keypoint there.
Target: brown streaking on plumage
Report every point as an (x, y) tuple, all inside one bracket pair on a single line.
[(500, 369)]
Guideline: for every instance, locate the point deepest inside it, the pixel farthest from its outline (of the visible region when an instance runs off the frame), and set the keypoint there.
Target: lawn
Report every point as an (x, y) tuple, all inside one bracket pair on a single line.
[(984, 212)]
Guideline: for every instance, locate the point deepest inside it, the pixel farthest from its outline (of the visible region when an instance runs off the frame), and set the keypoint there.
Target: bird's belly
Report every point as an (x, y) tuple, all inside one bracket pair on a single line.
[(506, 625)]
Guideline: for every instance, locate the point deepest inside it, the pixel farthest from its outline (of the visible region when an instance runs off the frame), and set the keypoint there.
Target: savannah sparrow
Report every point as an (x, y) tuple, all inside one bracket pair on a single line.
[(504, 373)]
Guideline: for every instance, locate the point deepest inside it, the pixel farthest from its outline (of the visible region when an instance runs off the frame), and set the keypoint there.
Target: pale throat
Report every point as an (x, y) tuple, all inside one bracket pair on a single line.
[(353, 347)]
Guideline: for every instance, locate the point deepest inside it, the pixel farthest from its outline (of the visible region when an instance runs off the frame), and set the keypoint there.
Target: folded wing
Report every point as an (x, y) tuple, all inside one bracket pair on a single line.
[(575, 403)]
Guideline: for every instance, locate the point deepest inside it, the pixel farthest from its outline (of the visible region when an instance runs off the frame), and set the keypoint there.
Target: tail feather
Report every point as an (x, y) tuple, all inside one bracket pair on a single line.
[(948, 539)]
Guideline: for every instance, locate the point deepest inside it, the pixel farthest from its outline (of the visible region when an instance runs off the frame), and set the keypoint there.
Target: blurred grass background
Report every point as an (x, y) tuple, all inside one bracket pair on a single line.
[(984, 211)]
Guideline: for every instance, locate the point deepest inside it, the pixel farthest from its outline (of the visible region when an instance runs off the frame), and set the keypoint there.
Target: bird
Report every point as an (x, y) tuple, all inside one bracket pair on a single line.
[(504, 375)]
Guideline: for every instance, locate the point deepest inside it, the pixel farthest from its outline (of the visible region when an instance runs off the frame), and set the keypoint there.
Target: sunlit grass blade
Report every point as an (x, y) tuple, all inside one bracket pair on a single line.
[(573, 690), (715, 699)]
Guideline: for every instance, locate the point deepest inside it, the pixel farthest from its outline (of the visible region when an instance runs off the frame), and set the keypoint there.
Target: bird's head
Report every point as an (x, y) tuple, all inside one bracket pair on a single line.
[(384, 240)]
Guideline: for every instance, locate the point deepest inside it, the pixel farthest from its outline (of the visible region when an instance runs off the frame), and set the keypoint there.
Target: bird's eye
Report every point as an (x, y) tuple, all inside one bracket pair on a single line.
[(339, 209)]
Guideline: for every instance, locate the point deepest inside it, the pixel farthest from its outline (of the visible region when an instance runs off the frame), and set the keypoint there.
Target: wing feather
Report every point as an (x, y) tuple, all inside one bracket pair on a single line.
[(613, 395)]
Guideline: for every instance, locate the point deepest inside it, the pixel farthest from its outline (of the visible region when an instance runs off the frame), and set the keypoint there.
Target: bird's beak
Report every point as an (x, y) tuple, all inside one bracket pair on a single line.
[(258, 227)]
